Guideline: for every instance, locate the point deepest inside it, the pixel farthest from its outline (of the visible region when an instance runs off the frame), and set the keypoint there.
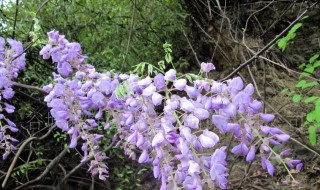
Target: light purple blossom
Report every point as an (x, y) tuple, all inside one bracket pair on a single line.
[(207, 67), (170, 75), (180, 84), (208, 139), (267, 117)]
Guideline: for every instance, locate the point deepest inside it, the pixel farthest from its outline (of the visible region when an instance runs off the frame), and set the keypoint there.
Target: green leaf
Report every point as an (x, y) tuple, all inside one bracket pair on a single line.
[(312, 135), (308, 71), (295, 27), (311, 99), (317, 112), (150, 69), (290, 36), (189, 78), (296, 98), (301, 84), (310, 84), (311, 116), (313, 58), (162, 65), (302, 65), (316, 64), (168, 58), (282, 43)]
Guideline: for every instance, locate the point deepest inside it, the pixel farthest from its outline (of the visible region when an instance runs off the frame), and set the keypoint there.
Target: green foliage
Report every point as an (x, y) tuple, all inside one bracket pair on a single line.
[(114, 34), (122, 91), (285, 41), (28, 166), (307, 83)]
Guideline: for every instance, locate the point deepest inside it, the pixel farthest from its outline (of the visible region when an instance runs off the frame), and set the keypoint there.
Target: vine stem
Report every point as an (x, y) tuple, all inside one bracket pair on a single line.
[(257, 55), (28, 87)]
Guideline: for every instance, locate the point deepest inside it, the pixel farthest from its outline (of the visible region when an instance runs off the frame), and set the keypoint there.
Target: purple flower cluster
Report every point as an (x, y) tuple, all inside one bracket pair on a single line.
[(181, 141), (12, 60), (67, 55), (78, 105)]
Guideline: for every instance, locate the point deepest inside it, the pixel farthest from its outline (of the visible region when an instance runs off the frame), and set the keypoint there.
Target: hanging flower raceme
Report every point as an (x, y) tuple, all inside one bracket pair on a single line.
[(12, 60), (182, 141), (67, 55)]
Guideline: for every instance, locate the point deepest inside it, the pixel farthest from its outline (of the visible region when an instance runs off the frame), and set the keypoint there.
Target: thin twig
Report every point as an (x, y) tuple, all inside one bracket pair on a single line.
[(28, 87), (256, 56), (130, 34), (46, 171), (20, 151), (15, 19), (194, 53)]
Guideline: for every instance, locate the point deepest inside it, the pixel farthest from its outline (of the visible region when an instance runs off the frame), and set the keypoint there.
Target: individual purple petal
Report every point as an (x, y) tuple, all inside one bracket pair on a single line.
[(219, 156), (65, 69), (274, 131), (183, 146), (10, 123), (191, 121), (249, 89), (202, 84), (157, 139), (270, 167), (180, 84), (263, 162), (156, 98), (186, 105), (194, 168), (192, 92), (200, 113), (217, 87), (144, 157), (265, 148), (149, 90), (235, 83), (62, 124), (197, 145), (265, 129), (241, 98), (9, 108), (230, 110), (179, 177), (208, 139), (219, 121), (156, 172), (74, 140), (283, 137), (172, 137), (7, 93), (3, 71), (240, 149), (145, 82), (251, 154), (217, 170), (59, 89), (140, 140), (159, 81), (97, 98), (186, 133), (170, 75), (285, 152), (274, 142), (299, 167), (207, 67), (255, 105), (267, 117)]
